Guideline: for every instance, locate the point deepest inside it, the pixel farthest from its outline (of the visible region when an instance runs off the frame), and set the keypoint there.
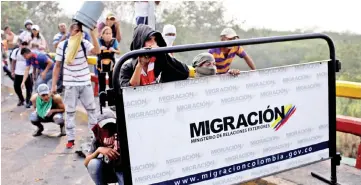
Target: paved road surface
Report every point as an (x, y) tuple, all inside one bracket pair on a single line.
[(42, 160)]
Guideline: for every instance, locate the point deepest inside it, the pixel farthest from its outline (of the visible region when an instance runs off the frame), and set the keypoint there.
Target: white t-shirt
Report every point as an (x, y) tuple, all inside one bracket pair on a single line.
[(141, 9), (20, 65), (77, 73), (25, 36)]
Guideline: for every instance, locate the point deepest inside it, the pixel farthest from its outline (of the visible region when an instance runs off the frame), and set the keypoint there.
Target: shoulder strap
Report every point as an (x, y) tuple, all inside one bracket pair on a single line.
[(62, 61), (64, 47), (84, 49), (111, 43)]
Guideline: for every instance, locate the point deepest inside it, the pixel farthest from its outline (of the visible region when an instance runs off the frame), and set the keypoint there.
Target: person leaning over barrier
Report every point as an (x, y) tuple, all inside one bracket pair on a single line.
[(145, 70), (48, 108), (205, 65), (224, 56)]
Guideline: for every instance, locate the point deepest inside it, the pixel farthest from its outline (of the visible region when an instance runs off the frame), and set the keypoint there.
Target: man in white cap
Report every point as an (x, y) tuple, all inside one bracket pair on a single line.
[(224, 56), (169, 34), (48, 108), (26, 35)]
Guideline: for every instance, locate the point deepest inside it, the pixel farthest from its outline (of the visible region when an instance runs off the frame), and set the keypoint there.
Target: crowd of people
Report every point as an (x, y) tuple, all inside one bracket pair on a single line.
[(69, 74)]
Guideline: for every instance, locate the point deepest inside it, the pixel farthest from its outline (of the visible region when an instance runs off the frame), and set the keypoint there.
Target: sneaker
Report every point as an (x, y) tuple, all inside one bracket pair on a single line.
[(62, 131), (113, 108), (21, 103), (28, 105), (70, 144), (39, 131)]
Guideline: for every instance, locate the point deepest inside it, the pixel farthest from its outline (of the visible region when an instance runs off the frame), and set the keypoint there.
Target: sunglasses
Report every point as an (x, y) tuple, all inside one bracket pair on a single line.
[(112, 19)]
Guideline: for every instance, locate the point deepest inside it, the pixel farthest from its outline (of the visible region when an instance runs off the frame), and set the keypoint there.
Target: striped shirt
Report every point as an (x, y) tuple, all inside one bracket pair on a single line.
[(223, 63), (77, 73)]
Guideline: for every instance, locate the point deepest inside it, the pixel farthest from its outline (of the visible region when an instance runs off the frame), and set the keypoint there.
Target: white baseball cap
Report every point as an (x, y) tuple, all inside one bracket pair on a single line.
[(229, 33), (35, 27), (43, 89), (169, 28)]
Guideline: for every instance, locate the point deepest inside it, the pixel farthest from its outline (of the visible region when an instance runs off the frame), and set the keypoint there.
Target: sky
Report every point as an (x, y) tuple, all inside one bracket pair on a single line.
[(320, 15)]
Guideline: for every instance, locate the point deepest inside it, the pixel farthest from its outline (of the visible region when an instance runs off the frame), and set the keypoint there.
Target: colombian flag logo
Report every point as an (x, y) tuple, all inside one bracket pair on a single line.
[(279, 122)]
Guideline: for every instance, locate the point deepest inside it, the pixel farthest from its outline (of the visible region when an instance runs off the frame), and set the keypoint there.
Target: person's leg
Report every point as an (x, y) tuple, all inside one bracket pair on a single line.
[(95, 170), (101, 80), (17, 87), (35, 120), (48, 78), (58, 118), (39, 80), (120, 178), (29, 90), (86, 95), (71, 95), (110, 79)]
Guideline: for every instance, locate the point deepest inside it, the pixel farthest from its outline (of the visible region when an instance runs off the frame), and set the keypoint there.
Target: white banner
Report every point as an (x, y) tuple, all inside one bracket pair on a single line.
[(222, 129)]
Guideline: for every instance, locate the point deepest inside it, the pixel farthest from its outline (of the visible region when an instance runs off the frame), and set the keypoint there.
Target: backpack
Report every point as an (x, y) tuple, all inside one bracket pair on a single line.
[(106, 60), (63, 60), (16, 53)]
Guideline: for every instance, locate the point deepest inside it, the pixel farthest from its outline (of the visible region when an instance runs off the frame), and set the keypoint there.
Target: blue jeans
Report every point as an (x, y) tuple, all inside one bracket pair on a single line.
[(48, 79), (102, 174)]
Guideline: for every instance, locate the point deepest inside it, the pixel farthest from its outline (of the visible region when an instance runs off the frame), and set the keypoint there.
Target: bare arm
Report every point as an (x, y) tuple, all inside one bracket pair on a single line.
[(135, 80), (26, 74), (118, 35), (96, 49), (250, 62), (48, 66), (59, 102), (90, 157), (13, 65), (33, 100)]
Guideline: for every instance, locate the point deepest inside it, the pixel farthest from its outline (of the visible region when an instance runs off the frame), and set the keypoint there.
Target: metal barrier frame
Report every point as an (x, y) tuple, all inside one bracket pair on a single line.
[(333, 67)]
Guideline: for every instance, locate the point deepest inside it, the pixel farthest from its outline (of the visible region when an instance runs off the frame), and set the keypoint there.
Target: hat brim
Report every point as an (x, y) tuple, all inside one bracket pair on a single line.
[(45, 92), (103, 122), (231, 36)]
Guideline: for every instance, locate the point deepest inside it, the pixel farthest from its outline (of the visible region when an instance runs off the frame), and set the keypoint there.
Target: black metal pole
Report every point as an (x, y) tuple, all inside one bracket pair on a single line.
[(121, 122)]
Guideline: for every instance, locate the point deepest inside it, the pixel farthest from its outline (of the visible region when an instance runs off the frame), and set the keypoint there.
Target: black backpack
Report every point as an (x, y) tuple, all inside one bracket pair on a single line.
[(106, 66)]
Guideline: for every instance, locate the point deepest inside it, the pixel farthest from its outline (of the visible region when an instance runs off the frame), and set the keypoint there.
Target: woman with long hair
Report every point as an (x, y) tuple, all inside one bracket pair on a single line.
[(38, 42), (106, 59)]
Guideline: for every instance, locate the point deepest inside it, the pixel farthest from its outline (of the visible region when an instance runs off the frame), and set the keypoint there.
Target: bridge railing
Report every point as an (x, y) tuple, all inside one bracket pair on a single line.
[(347, 124)]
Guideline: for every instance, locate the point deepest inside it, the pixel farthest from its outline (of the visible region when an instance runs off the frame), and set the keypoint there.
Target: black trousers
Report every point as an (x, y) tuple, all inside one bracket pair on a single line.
[(102, 80), (28, 84), (8, 72)]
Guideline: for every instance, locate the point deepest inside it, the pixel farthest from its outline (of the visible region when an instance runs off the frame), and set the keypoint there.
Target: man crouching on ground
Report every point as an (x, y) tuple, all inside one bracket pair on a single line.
[(102, 161), (48, 108)]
